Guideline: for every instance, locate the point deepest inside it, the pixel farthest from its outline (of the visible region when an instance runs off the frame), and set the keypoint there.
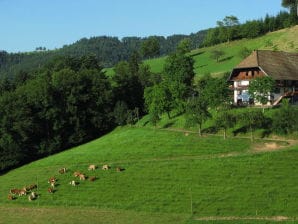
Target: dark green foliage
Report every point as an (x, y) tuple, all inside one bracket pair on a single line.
[(225, 119), (260, 89), (150, 47), (214, 91), (217, 54), (158, 100), (108, 50), (230, 29), (131, 79), (244, 52), (179, 68), (184, 46), (64, 106), (252, 120), (120, 113), (285, 119), (196, 113)]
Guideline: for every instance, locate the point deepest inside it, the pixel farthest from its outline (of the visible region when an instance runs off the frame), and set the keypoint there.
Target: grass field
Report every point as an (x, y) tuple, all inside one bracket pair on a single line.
[(169, 178)]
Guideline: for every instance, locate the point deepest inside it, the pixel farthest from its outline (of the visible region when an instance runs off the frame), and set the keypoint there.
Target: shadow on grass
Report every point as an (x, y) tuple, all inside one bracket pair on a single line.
[(198, 53), (168, 125), (225, 59), (240, 130), (210, 130)]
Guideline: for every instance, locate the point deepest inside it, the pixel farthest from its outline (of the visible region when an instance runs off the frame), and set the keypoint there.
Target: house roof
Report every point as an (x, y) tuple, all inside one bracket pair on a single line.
[(279, 65)]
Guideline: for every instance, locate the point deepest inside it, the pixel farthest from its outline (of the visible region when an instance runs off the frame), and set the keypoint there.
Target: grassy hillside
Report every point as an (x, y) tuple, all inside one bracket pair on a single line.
[(169, 177), (283, 40)]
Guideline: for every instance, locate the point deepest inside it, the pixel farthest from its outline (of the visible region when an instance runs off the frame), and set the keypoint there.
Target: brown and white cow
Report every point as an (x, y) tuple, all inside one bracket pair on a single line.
[(73, 183), (92, 167), (52, 180), (32, 196), (119, 169), (76, 174), (14, 191), (62, 170), (51, 190), (105, 167), (82, 177), (10, 197)]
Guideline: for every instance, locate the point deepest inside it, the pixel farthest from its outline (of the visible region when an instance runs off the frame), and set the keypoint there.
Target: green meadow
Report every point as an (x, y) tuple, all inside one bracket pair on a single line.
[(169, 177)]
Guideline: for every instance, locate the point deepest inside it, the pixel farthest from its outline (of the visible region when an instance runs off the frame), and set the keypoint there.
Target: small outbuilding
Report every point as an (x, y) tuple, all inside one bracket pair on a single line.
[(281, 66)]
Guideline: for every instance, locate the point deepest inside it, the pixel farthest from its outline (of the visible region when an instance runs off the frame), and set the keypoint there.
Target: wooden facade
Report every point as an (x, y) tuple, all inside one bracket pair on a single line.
[(281, 66)]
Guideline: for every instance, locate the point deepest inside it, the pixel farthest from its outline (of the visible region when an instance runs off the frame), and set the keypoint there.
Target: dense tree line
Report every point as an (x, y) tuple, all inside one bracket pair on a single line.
[(108, 50), (230, 29), (65, 103)]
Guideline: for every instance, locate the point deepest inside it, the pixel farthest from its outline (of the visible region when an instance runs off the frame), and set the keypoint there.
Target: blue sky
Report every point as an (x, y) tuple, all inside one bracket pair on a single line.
[(27, 24)]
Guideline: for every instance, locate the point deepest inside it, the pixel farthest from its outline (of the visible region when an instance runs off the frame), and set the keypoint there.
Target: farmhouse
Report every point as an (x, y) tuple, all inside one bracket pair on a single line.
[(281, 66)]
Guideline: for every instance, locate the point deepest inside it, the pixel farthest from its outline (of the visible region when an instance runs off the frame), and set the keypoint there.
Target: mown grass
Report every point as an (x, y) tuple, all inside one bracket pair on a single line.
[(167, 174)]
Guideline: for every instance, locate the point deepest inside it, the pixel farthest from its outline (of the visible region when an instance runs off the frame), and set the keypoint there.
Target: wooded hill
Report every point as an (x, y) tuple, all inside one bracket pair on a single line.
[(108, 50)]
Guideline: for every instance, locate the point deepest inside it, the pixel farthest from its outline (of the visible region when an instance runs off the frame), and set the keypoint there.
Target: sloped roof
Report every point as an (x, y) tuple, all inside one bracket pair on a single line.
[(279, 65)]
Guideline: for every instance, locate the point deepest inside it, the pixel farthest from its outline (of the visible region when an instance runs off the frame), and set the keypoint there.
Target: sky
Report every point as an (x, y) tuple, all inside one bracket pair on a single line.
[(27, 24)]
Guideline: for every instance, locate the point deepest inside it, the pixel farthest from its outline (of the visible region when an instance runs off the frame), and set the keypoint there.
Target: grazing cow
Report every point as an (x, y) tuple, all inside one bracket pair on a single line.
[(76, 174), (92, 179), (92, 167), (14, 191), (82, 177), (52, 180), (10, 197), (53, 184), (32, 196), (22, 192), (51, 190), (62, 170), (105, 167), (73, 183), (119, 169)]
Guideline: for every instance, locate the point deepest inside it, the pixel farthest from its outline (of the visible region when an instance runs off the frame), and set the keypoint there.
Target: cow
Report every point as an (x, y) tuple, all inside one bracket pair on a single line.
[(73, 183), (22, 192), (119, 169), (52, 180), (92, 179), (105, 167), (10, 197), (92, 167), (62, 170), (82, 177), (32, 196), (51, 190), (76, 174), (53, 184), (14, 191)]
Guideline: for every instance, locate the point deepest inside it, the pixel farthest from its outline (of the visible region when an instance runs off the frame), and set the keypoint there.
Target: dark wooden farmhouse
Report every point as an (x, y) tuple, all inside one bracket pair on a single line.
[(281, 66)]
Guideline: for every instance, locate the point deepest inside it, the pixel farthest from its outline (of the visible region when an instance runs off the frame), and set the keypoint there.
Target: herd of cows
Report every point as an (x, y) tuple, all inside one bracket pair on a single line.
[(52, 181)]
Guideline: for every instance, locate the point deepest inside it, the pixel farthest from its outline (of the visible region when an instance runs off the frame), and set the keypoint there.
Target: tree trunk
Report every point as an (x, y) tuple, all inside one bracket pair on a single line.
[(251, 134), (225, 134), (169, 115), (200, 132)]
